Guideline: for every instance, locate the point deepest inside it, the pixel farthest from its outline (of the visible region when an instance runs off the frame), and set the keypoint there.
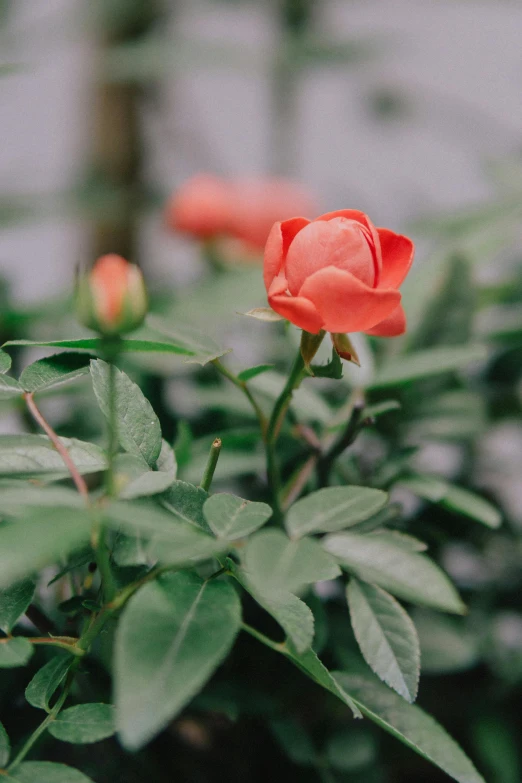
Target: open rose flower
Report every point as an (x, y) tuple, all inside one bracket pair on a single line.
[(338, 273), (112, 299), (244, 210)]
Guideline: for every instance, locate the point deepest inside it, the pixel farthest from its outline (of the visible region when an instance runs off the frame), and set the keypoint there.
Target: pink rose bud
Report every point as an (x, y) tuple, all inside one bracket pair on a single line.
[(112, 298)]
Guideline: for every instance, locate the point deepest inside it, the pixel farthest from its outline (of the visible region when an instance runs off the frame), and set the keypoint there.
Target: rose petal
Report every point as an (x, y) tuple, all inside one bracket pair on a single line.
[(397, 257), (300, 311), (296, 309), (345, 303), (392, 326), (277, 246), (361, 217), (339, 242)]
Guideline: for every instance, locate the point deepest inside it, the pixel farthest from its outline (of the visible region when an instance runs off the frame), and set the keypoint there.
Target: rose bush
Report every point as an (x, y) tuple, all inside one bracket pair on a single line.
[(338, 273)]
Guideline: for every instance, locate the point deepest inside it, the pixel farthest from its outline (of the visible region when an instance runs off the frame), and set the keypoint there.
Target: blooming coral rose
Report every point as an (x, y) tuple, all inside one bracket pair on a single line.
[(337, 273), (239, 209)]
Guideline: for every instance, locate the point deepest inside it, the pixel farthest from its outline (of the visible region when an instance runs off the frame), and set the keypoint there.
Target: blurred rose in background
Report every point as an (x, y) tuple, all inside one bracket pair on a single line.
[(239, 212)]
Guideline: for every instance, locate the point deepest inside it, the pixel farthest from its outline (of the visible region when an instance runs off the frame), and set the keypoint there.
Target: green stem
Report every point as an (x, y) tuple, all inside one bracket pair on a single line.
[(49, 719), (210, 467), (246, 391), (297, 373)]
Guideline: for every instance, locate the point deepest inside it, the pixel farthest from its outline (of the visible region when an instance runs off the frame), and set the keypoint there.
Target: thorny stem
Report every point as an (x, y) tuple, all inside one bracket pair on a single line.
[(210, 467), (246, 391), (79, 481)]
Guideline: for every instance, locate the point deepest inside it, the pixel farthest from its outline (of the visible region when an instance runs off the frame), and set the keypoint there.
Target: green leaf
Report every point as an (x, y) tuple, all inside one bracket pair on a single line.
[(5, 362), (42, 537), (54, 371), (34, 456), (84, 724), (453, 498), (273, 559), (138, 481), (76, 560), (96, 344), (5, 747), (42, 687), (465, 502), (404, 540), (172, 541), (130, 550), (19, 498), (231, 517), (137, 426), (424, 364), (334, 508), (15, 651), (259, 369), (171, 637), (313, 667), (409, 575), (411, 725), (185, 501), (45, 772), (292, 614), (386, 636), (201, 349), (9, 387), (14, 600)]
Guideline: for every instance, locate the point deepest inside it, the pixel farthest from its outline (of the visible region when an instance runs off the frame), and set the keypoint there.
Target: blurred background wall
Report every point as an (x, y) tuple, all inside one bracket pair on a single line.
[(399, 115)]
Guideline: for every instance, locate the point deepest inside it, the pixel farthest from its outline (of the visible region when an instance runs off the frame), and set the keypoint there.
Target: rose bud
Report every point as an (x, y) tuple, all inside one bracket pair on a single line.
[(338, 273), (111, 298), (239, 213)]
